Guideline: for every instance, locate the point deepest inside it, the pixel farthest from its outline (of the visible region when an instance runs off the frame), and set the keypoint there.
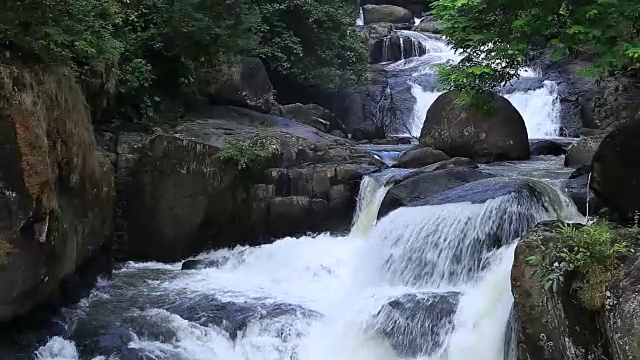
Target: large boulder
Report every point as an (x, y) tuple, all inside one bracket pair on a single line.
[(417, 324), (622, 313), (547, 147), (203, 182), (367, 131), (246, 85), (497, 134), (417, 188), (312, 115), (56, 189), (428, 25), (417, 7), (616, 172), (386, 14), (581, 153), (420, 157)]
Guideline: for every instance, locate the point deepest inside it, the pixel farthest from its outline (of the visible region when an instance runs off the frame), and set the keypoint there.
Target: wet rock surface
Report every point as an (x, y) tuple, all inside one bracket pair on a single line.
[(56, 188), (420, 158), (582, 196), (548, 147), (417, 188), (306, 180), (581, 153), (386, 14), (417, 324)]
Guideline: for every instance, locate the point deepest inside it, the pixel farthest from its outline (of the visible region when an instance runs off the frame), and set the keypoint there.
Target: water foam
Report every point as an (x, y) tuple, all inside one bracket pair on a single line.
[(540, 110), (373, 189), (429, 282)]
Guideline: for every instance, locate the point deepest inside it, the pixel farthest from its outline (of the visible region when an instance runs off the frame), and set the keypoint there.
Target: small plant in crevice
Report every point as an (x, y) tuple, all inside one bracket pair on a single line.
[(591, 251), (249, 154), (5, 250)]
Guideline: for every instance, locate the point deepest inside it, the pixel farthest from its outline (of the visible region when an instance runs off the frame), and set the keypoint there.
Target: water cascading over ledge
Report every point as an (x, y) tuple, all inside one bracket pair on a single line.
[(537, 101), (429, 282)]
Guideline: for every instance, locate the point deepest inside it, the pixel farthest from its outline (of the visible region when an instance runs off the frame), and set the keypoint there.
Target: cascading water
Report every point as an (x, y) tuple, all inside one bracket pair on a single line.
[(539, 106), (425, 283), (360, 19), (373, 189)]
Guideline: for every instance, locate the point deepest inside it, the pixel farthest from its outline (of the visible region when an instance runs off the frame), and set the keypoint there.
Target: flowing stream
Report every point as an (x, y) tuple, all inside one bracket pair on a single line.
[(429, 282)]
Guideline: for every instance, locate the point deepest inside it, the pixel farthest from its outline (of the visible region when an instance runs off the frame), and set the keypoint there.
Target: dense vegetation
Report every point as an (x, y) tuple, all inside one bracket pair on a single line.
[(160, 47), (500, 36)]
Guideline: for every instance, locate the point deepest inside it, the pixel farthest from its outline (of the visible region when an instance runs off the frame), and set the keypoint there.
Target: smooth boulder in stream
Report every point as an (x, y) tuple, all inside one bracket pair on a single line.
[(482, 135), (420, 157), (411, 190), (417, 324), (386, 14)]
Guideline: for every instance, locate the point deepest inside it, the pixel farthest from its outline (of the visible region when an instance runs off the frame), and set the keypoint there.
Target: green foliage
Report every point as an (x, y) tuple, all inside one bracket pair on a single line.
[(68, 32), (592, 251), (312, 41), (163, 46), (249, 154), (498, 36)]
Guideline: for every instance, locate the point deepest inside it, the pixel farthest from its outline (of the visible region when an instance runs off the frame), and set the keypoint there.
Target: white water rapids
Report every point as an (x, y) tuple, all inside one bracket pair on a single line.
[(539, 107), (427, 283)]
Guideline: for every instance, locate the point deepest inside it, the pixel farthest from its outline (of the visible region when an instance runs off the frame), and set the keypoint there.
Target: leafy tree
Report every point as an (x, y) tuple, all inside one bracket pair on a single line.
[(499, 36), (67, 32), (170, 42), (312, 41), (163, 46)]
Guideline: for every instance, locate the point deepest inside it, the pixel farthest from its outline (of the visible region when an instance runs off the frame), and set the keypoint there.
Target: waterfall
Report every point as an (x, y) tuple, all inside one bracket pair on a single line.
[(423, 283), (373, 189), (360, 19), (539, 107), (424, 99)]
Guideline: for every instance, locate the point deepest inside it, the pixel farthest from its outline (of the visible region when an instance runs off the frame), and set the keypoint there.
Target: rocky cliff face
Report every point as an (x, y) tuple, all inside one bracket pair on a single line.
[(233, 176), (552, 321), (586, 103), (56, 190)]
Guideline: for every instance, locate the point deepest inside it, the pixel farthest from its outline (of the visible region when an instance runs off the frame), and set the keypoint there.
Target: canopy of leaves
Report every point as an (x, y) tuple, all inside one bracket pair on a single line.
[(498, 36), (68, 32), (162, 45), (312, 41)]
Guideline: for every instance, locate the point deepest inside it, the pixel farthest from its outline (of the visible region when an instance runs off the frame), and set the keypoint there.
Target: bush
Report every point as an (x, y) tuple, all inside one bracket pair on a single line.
[(72, 33), (249, 154), (592, 251), (312, 41)]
